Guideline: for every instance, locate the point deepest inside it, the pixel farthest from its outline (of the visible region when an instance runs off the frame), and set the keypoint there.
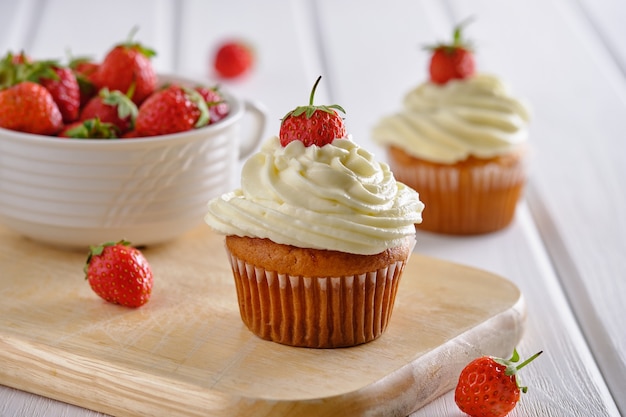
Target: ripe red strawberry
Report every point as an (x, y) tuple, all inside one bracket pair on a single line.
[(84, 66), (312, 125), (29, 107), (173, 109), (130, 134), (128, 66), (452, 61), (119, 273), (111, 107), (21, 58), (62, 84), (90, 129), (233, 59), (489, 387), (218, 107), (84, 70)]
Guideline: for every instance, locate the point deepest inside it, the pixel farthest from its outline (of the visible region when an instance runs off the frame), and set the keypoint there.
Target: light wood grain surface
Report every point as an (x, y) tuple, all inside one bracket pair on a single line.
[(565, 249), (188, 353)]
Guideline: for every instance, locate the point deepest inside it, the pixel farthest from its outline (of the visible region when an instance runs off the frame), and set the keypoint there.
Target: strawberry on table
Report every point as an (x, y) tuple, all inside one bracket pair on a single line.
[(128, 65), (233, 59), (29, 107), (111, 107), (489, 387), (119, 273), (172, 109), (312, 125), (452, 60)]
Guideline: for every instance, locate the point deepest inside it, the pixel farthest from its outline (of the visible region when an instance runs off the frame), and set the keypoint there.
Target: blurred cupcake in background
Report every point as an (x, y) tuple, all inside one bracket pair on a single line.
[(460, 140)]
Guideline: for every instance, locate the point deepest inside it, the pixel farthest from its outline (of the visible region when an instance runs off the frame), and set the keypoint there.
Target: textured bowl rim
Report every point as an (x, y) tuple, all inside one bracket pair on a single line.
[(235, 113)]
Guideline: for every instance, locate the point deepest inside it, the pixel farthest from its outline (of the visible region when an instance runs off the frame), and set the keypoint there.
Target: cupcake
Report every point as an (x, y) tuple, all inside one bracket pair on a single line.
[(317, 235), (460, 140)]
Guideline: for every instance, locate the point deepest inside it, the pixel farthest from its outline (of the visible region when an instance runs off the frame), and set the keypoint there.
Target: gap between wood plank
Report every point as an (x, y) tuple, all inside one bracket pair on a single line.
[(599, 341)]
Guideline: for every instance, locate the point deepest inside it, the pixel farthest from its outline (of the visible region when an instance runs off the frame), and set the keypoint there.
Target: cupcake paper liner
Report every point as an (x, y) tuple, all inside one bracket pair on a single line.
[(465, 199), (316, 312)]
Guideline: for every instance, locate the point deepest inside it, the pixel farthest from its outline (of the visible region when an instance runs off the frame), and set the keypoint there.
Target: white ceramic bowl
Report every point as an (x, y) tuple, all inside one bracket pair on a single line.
[(81, 192)]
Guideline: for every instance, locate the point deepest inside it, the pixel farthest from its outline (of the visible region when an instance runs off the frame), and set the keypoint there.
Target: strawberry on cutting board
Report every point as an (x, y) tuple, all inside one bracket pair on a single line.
[(119, 273), (450, 61), (312, 125), (489, 387)]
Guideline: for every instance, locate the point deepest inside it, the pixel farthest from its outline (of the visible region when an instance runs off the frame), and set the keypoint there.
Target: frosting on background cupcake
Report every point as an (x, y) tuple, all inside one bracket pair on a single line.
[(447, 123)]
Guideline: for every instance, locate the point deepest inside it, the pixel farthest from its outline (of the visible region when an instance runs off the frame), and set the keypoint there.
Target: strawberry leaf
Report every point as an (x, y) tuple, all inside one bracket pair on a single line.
[(125, 106), (310, 109), (198, 100), (457, 40)]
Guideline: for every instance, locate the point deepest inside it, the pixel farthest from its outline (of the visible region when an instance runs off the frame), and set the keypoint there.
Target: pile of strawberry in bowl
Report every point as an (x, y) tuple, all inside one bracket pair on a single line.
[(92, 151)]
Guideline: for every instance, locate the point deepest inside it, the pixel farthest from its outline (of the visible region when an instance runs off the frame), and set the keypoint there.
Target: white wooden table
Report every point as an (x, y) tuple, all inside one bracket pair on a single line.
[(566, 249)]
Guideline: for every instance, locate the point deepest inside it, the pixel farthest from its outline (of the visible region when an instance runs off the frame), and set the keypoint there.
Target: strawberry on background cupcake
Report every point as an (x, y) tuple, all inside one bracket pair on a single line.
[(317, 235), (460, 140)]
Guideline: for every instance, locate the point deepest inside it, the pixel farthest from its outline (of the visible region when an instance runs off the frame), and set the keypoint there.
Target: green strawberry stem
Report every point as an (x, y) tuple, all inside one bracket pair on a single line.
[(512, 368), (131, 43), (457, 39), (123, 103), (310, 109), (313, 90), (529, 360)]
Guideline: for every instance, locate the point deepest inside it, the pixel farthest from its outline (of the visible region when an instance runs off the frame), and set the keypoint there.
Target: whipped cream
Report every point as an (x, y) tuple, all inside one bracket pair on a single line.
[(334, 197), (447, 123)]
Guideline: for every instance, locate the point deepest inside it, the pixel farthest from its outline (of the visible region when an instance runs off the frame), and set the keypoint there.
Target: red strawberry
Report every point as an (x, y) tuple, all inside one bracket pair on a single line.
[(130, 134), (111, 107), (452, 61), (21, 58), (312, 125), (218, 108), (119, 273), (84, 66), (127, 68), (90, 129), (29, 107), (233, 59), (62, 84), (489, 387), (84, 70), (170, 110)]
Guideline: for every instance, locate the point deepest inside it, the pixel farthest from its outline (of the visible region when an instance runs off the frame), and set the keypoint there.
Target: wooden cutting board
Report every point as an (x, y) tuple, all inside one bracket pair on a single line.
[(187, 353)]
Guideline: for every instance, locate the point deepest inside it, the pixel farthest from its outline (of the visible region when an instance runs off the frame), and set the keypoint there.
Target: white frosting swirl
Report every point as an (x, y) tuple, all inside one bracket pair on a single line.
[(447, 123), (334, 197)]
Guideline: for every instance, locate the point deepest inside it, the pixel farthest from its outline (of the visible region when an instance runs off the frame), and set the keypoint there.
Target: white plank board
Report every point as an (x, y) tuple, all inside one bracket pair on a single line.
[(502, 32), (577, 192)]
